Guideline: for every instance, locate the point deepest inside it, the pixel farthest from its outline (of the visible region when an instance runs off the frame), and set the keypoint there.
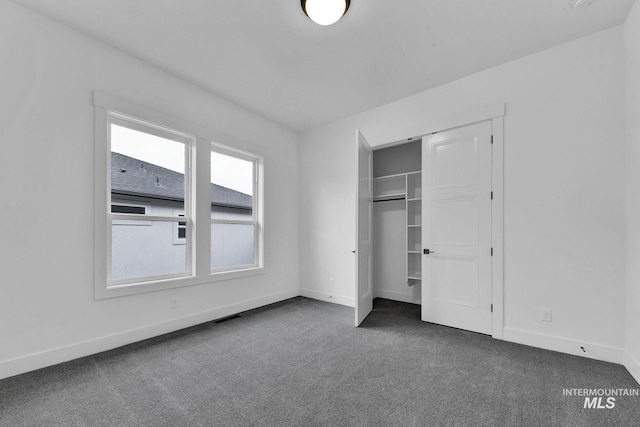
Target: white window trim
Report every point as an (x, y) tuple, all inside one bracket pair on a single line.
[(201, 241)]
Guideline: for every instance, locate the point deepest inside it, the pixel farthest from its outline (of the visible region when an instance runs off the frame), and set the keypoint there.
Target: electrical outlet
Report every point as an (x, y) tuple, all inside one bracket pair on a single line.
[(173, 303), (545, 315)]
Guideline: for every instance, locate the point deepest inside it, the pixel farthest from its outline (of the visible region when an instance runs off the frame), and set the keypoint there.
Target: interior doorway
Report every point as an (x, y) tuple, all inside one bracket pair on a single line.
[(440, 221)]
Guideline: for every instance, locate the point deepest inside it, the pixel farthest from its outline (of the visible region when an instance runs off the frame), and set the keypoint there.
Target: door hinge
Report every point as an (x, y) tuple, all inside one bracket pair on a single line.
[(491, 251), (492, 195), (492, 139), (492, 308)]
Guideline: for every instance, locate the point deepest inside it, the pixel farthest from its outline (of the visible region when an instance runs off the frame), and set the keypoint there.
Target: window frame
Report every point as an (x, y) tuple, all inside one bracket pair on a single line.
[(197, 174), (256, 208), (134, 123)]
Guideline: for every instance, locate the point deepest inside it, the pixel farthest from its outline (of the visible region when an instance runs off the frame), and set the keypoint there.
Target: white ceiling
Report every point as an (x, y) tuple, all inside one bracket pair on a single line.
[(267, 56)]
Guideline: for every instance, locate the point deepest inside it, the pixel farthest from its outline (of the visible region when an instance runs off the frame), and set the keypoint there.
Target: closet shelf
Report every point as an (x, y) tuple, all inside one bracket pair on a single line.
[(391, 186), (413, 225), (414, 200)]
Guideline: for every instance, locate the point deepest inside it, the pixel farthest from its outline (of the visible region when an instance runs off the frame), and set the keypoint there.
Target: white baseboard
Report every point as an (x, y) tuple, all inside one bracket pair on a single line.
[(322, 296), (396, 296), (31, 362), (565, 345), (633, 365)]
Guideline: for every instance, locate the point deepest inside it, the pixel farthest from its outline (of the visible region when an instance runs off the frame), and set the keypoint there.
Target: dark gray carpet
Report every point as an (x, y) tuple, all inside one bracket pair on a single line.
[(302, 363)]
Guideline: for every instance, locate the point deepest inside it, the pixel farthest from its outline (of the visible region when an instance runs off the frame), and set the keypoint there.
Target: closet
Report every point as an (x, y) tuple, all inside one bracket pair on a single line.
[(397, 221), (425, 223)]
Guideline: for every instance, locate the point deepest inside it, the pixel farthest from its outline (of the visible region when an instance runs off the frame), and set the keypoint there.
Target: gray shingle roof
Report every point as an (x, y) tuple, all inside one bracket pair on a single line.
[(134, 177)]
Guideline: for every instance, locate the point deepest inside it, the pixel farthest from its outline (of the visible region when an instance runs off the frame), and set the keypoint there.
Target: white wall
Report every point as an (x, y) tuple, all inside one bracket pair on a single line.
[(48, 314), (632, 54), (564, 190)]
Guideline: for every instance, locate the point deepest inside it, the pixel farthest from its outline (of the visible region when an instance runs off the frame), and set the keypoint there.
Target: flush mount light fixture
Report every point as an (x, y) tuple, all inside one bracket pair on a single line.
[(325, 12)]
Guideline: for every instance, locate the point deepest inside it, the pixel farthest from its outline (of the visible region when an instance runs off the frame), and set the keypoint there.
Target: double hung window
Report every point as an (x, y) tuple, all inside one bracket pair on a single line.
[(172, 208), (149, 165), (234, 220)]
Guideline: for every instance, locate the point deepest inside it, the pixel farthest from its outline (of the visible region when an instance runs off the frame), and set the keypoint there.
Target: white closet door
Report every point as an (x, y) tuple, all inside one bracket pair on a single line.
[(364, 216), (456, 232)]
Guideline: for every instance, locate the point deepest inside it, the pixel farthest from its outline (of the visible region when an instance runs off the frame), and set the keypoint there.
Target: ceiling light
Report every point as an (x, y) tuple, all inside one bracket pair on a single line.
[(325, 12)]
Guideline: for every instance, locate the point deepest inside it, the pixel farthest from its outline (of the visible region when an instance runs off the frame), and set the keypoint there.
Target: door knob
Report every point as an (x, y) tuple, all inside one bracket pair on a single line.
[(427, 251)]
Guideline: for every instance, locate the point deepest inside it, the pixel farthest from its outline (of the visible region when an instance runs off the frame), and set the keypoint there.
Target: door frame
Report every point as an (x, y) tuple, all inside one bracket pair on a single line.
[(497, 227), (494, 113)]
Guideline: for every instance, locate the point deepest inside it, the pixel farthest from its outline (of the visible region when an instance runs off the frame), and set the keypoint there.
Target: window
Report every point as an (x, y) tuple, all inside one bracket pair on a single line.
[(149, 198), (235, 225), (129, 209), (180, 230), (148, 163)]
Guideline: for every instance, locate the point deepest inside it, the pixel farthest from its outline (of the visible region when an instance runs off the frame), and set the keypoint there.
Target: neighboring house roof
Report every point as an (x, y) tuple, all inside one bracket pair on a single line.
[(134, 177)]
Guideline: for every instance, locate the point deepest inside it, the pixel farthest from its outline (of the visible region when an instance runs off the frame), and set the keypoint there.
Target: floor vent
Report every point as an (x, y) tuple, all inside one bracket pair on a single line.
[(224, 319)]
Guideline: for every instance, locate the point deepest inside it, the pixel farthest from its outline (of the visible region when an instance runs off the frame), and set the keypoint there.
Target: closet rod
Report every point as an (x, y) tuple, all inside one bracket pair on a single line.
[(389, 200)]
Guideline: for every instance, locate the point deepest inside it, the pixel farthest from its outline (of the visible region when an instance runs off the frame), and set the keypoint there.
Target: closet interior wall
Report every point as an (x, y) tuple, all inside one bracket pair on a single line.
[(392, 168)]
